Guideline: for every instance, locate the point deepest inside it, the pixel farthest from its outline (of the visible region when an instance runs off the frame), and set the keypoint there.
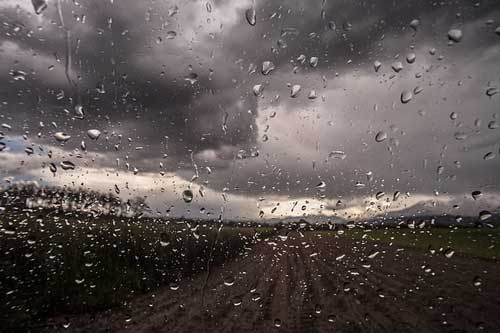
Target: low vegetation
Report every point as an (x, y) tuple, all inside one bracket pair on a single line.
[(56, 263), (474, 242)]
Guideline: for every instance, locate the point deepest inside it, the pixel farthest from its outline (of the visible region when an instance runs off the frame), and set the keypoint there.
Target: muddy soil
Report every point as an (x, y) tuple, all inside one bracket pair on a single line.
[(318, 282)]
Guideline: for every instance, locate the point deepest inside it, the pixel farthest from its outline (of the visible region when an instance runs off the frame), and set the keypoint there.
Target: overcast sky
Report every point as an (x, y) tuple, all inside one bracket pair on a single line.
[(178, 92)]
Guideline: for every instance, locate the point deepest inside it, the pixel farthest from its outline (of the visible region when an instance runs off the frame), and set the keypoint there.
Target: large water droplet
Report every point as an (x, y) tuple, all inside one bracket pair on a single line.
[(187, 195), (251, 16), (376, 65), (93, 134), (455, 35), (39, 6)]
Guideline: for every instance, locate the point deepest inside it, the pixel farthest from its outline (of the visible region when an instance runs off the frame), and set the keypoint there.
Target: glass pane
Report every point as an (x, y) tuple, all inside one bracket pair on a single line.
[(249, 165)]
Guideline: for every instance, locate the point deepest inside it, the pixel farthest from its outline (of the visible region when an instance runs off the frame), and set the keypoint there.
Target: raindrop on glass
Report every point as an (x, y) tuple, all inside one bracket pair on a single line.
[(406, 96), (251, 16), (455, 35), (381, 136), (295, 90), (93, 134), (187, 195)]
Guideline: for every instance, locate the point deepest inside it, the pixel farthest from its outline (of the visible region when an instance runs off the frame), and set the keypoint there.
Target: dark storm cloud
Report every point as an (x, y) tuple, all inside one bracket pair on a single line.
[(154, 105), (168, 119)]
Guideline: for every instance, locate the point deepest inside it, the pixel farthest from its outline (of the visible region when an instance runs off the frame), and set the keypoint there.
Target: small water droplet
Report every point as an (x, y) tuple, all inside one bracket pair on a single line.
[(337, 154), (93, 134), (295, 90), (414, 24), (455, 35), (347, 26), (376, 65), (237, 301), (449, 252), (67, 165), (489, 156), (192, 78), (406, 96), (229, 281), (491, 91), (313, 62), (61, 136), (267, 67), (258, 89), (411, 57), (171, 34), (381, 136), (277, 322), (397, 66), (476, 194), (39, 6), (484, 215), (187, 195), (373, 255), (18, 75), (79, 111), (173, 10), (312, 94)]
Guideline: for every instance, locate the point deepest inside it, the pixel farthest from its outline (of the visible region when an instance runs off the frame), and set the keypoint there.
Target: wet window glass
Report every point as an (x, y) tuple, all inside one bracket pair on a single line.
[(253, 165)]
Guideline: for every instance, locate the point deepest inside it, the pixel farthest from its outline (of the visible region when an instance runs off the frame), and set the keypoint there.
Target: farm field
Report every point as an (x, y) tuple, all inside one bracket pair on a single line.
[(318, 281)]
